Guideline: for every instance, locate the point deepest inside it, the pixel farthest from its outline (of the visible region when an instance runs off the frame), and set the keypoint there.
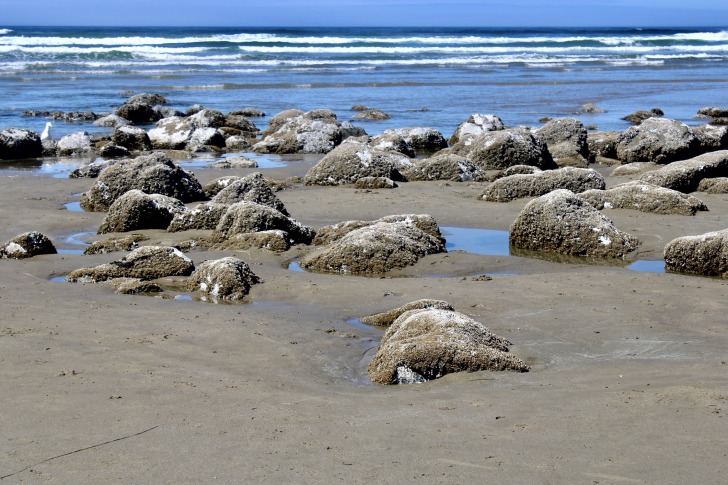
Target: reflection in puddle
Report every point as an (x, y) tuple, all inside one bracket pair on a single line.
[(73, 206), (294, 266), (183, 297), (358, 323), (58, 279), (489, 242), (75, 239), (70, 251), (647, 266)]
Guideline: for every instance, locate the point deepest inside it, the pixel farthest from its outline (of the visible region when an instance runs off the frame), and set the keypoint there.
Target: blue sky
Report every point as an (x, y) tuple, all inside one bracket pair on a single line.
[(483, 13)]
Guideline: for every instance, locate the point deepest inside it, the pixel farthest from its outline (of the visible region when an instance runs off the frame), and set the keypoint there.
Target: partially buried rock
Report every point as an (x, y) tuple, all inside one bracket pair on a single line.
[(235, 162), (17, 143), (75, 144), (110, 150), (376, 249), (205, 216), (566, 140), (125, 243), (705, 255), (475, 125), (136, 210), (273, 240), (292, 131), (27, 245), (131, 138), (497, 150), (658, 140), (716, 185), (91, 170), (685, 175), (644, 197), (251, 188), (146, 263), (635, 168), (223, 279), (213, 188), (375, 183), (134, 286), (422, 345), (246, 217), (353, 160), (153, 174), (444, 166), (517, 186), (563, 223), (386, 319)]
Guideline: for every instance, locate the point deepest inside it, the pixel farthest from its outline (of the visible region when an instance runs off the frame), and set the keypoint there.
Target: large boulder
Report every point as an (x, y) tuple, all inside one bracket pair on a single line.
[(227, 279), (644, 197), (711, 137), (385, 319), (705, 255), (246, 217), (716, 185), (172, 133), (75, 144), (566, 140), (252, 188), (146, 263), (17, 143), (496, 150), (422, 345), (475, 125), (444, 166), (205, 216), (376, 248), (153, 174), (415, 140), (26, 245), (561, 222), (316, 131), (517, 186), (138, 112), (685, 176), (131, 138), (205, 137), (658, 140), (353, 160), (136, 210)]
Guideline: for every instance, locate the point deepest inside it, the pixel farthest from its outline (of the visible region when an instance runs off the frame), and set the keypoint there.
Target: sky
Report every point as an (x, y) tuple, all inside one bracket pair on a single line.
[(285, 13)]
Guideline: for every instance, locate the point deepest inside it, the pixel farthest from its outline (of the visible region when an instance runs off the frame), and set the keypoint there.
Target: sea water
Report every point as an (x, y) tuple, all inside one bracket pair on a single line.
[(432, 77)]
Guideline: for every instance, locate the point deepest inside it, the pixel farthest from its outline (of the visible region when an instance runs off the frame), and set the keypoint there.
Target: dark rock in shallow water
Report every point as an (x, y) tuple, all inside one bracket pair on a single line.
[(563, 223), (638, 117), (148, 98), (136, 210), (590, 108), (235, 162), (112, 151), (17, 143), (426, 344), (517, 186), (644, 197), (91, 170), (248, 112), (713, 112), (153, 174), (146, 263), (27, 245), (371, 115), (705, 255), (138, 113), (132, 138), (223, 279)]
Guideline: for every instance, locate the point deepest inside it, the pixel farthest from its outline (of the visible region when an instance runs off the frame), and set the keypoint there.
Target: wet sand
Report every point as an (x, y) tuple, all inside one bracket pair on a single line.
[(628, 380)]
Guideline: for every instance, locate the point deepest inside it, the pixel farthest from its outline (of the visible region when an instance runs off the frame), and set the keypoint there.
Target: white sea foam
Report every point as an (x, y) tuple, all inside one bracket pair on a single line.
[(5, 31)]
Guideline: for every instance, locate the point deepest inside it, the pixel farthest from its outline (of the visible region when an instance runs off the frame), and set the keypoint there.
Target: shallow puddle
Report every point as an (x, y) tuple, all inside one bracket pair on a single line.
[(58, 279), (489, 242), (647, 266), (73, 206), (295, 267)]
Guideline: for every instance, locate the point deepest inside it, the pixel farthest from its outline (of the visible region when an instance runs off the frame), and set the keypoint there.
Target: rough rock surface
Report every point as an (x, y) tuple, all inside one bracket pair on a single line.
[(251, 188), (375, 183), (153, 174), (685, 176), (334, 232), (713, 112), (644, 197), (658, 140), (213, 188), (443, 166), (136, 210), (272, 240), (426, 344), (223, 279), (205, 137), (112, 245), (706, 254), (75, 144), (205, 216), (316, 131), (245, 216), (563, 223), (518, 169), (110, 150), (375, 249), (235, 162), (139, 109), (27, 245), (132, 138), (17, 143), (496, 150), (716, 185), (518, 186), (146, 263), (249, 112), (590, 108), (171, 133), (416, 140), (639, 116), (633, 168), (385, 319), (91, 170), (711, 137), (134, 286), (566, 140), (111, 121), (353, 160), (371, 115), (475, 125), (602, 146)]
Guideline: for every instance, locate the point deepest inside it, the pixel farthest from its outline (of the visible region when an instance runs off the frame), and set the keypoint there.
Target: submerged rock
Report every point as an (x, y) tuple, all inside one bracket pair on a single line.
[(136, 210), (705, 255), (385, 319), (223, 279), (638, 117), (153, 174), (685, 176), (644, 197), (17, 143), (376, 248), (27, 245), (145, 263), (427, 344), (517, 186), (563, 223)]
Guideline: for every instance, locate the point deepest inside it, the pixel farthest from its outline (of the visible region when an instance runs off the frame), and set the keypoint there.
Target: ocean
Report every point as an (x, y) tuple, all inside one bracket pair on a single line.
[(432, 77)]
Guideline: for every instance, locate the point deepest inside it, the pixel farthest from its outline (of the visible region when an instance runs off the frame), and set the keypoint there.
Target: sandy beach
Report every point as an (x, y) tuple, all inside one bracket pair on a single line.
[(627, 382)]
